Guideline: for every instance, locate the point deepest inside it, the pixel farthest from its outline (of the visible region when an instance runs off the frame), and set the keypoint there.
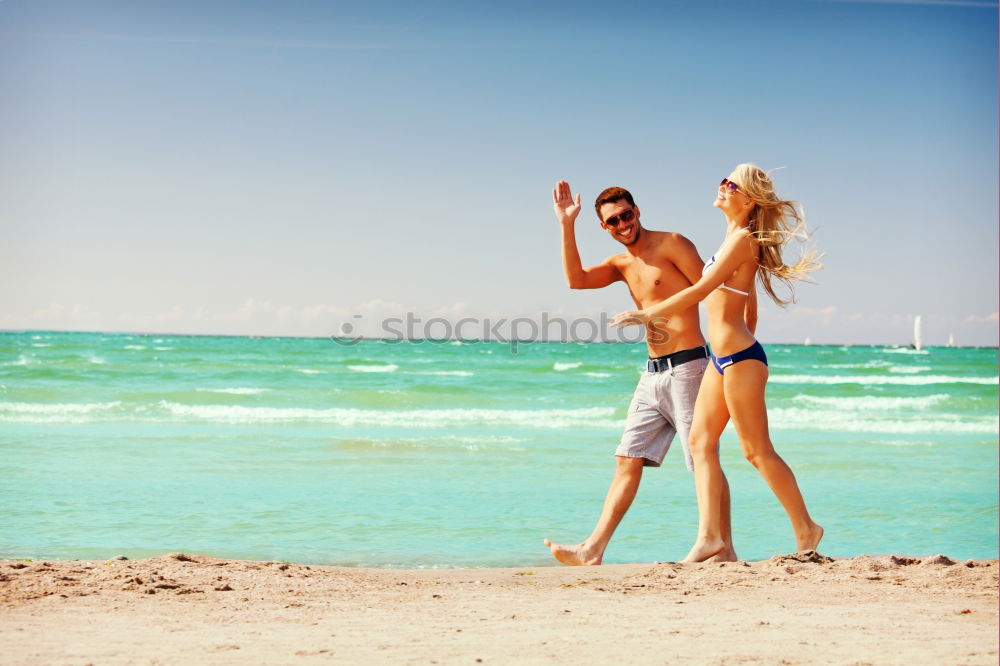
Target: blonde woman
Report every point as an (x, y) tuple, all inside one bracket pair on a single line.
[(758, 224)]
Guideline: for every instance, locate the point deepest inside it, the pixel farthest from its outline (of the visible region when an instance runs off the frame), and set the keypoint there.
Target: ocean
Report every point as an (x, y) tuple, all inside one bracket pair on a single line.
[(463, 454)]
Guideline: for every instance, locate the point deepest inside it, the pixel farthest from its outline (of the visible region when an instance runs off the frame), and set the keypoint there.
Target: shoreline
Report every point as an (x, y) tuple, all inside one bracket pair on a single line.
[(802, 609)]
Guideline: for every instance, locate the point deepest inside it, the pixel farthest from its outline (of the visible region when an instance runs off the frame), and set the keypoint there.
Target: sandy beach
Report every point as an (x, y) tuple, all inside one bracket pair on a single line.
[(802, 609)]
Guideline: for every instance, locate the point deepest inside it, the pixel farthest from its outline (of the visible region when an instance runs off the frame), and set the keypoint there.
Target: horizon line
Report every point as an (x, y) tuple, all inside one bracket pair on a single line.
[(352, 341)]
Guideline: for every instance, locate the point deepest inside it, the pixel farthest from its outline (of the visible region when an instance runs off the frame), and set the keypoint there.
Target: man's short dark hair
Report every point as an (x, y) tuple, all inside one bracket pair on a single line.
[(611, 195)]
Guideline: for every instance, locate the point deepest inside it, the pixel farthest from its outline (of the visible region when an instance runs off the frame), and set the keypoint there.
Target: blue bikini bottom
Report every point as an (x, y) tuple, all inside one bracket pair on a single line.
[(754, 351)]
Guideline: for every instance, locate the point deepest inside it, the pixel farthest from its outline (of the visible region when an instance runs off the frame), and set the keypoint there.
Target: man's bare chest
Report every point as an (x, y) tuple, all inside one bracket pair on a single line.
[(650, 281)]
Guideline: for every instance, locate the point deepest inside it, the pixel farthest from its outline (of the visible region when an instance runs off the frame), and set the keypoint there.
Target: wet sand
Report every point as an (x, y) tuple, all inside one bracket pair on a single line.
[(180, 609)]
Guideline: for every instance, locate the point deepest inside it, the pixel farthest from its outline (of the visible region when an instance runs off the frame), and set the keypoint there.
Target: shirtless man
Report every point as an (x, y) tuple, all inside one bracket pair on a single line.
[(655, 265)]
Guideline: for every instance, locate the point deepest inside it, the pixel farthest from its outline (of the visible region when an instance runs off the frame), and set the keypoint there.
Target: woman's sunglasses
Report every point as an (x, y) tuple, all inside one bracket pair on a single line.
[(624, 216), (729, 186)]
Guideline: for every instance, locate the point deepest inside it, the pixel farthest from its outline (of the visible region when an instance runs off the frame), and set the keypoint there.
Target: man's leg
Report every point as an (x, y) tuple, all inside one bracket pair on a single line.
[(628, 473)]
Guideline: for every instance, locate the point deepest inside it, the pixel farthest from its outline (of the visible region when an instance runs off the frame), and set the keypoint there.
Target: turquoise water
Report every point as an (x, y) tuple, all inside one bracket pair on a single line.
[(462, 454)]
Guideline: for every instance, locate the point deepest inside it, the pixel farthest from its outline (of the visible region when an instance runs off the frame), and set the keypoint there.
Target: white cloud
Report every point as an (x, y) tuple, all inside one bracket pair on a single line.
[(313, 312), (458, 309), (993, 317), (176, 313), (60, 311), (55, 316), (13, 322)]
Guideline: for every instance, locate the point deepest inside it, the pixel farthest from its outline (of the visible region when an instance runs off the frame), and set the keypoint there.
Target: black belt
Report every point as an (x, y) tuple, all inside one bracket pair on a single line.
[(662, 363)]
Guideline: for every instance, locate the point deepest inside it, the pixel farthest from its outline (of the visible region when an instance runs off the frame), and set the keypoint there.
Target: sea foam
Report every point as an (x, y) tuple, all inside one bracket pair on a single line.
[(869, 403), (446, 373), (234, 391), (590, 417), (842, 420), (56, 408), (25, 412), (871, 380)]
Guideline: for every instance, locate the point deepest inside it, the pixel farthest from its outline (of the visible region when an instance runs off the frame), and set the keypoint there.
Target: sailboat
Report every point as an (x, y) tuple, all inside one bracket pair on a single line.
[(951, 340), (918, 339)]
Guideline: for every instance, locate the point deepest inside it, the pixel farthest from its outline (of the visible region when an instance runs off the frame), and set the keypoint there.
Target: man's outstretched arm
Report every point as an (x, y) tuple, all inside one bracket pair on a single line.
[(567, 209)]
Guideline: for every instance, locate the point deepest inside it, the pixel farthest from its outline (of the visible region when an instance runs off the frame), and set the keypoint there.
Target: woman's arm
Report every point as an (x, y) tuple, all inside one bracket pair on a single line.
[(736, 249), (750, 311)]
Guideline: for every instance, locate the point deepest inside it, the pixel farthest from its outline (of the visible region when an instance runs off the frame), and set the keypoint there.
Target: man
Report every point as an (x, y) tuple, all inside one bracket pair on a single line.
[(655, 265)]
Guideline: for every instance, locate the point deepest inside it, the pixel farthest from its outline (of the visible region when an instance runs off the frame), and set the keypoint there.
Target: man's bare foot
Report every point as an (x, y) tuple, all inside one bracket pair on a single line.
[(725, 555), (810, 540), (702, 550), (580, 555)]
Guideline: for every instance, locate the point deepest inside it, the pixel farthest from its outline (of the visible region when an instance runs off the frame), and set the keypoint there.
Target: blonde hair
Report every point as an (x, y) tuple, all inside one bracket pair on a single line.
[(773, 222)]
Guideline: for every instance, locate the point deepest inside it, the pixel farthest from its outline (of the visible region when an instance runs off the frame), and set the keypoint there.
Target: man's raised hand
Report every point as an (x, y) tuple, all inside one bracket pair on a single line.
[(565, 206)]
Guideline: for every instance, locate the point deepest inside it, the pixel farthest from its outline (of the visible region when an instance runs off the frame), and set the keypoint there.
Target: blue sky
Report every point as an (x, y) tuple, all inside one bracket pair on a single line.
[(278, 168)]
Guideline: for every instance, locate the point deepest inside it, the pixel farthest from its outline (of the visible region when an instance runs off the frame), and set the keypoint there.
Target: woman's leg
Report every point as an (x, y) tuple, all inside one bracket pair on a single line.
[(711, 487), (744, 393)]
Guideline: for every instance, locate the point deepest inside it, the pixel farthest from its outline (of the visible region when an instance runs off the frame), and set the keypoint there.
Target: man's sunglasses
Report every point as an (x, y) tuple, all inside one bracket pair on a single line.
[(729, 186), (624, 216)]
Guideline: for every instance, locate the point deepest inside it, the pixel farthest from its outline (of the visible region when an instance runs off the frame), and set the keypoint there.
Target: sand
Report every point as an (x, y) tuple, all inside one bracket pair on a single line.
[(180, 609)]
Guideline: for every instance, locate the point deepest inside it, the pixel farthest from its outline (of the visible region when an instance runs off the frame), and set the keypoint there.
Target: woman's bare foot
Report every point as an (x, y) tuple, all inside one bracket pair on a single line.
[(810, 540), (703, 549), (581, 555), (725, 555)]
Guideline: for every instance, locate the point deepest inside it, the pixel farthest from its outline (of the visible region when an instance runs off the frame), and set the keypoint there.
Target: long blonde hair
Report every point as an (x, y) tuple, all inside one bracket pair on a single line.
[(774, 222)]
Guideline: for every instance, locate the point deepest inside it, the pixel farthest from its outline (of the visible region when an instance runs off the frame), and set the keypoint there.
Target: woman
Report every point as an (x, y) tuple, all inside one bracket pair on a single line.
[(758, 224)]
